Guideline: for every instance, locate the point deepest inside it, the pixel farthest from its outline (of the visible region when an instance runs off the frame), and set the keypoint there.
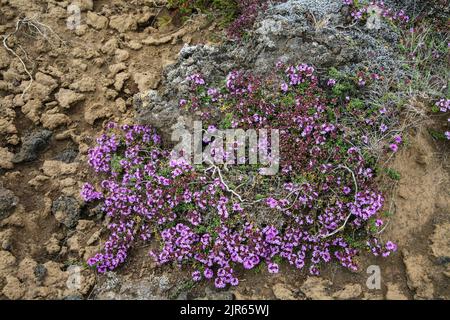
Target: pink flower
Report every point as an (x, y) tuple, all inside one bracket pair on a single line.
[(393, 147)]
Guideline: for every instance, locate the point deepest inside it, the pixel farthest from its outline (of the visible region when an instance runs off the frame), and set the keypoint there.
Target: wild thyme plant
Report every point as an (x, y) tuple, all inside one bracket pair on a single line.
[(323, 206)]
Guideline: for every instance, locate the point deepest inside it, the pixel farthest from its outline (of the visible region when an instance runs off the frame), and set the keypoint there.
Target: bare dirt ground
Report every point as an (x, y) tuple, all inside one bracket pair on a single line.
[(85, 77)]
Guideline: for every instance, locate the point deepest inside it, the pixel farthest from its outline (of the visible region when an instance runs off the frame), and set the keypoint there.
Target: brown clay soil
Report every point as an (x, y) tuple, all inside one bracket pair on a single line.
[(89, 78)]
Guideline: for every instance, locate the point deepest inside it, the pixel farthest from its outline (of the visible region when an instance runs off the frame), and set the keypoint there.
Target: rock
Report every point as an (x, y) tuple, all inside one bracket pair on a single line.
[(121, 105), (84, 5), (8, 202), (7, 264), (96, 111), (81, 30), (316, 288), (123, 23), (32, 144), (40, 272), (96, 21), (6, 238), (94, 238), (350, 291), (146, 80), (121, 55), (283, 292), (13, 289), (85, 225), (73, 244), (66, 98), (85, 84), (26, 268), (52, 245), (120, 80), (394, 292), (440, 239), (52, 119), (116, 68), (32, 110), (152, 41), (417, 267), (53, 168), (134, 45), (67, 155), (6, 159), (110, 46), (66, 210)]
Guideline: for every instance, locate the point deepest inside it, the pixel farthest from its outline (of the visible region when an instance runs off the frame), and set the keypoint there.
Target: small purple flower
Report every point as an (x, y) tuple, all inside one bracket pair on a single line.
[(272, 203), (208, 273), (284, 87), (378, 222), (391, 246), (273, 268), (237, 207), (196, 276), (383, 127), (331, 82), (447, 135), (398, 139), (393, 147), (346, 190)]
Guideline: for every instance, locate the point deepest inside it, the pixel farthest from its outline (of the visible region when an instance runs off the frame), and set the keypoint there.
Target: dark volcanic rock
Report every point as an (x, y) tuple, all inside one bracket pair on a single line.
[(68, 155), (31, 146), (7, 202), (66, 210)]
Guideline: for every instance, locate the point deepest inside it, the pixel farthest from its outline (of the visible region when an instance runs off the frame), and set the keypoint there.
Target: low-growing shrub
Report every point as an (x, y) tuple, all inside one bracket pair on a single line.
[(322, 206)]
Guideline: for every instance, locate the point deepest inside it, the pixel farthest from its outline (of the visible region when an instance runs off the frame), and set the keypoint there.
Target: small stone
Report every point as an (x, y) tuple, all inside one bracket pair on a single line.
[(96, 111), (121, 55), (8, 201), (52, 119), (146, 80), (31, 146), (123, 23), (66, 210), (6, 159), (84, 5), (96, 21), (13, 289), (66, 98), (40, 272), (283, 292)]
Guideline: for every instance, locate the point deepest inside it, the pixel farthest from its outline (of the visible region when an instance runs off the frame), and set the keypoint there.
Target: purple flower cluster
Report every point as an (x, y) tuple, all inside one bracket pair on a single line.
[(325, 190), (361, 10)]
